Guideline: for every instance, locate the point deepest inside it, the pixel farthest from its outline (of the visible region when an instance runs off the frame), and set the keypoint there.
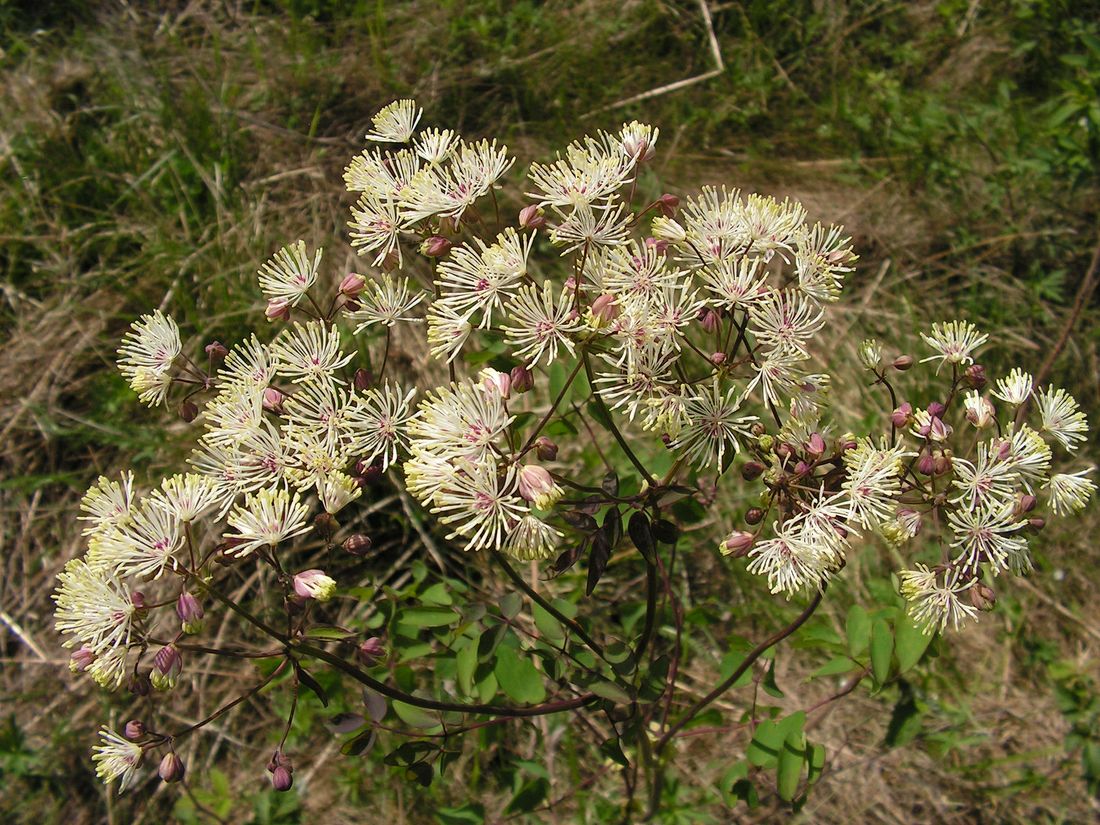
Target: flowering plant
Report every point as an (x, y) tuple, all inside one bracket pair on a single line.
[(610, 363)]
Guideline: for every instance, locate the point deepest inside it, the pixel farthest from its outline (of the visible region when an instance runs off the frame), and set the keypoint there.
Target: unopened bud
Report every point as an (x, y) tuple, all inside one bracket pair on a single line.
[(752, 470), (758, 429), (371, 651), (982, 596), (975, 376), (167, 665), (352, 284), (903, 362), (815, 446), (362, 380), (1036, 524), (314, 584), (1026, 503), (538, 486), (766, 442), (754, 515), (926, 464), (273, 400), (357, 544), (737, 543), (81, 659), (545, 449), (936, 409), (718, 358), (189, 411), (171, 767), (523, 380), (496, 382), (603, 311), (709, 320), (939, 431), (190, 611), (667, 204), (942, 464), (137, 599), (659, 244), (278, 309), (281, 778), (138, 684), (784, 450), (134, 730), (216, 351), (532, 217), (979, 412), (369, 473), (901, 416), (391, 261), (802, 468), (435, 247)]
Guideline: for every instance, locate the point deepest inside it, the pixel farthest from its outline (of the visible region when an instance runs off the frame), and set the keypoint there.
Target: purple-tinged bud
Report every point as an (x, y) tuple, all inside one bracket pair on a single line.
[(532, 217), (216, 351), (982, 596), (926, 464), (1004, 450), (523, 380), (314, 584), (357, 544), (137, 599), (754, 515), (363, 379), (815, 447), (189, 410), (659, 244), (903, 362), (667, 204), (936, 409), (496, 382), (171, 767), (604, 310), (718, 358), (134, 730), (942, 464), (273, 400), (371, 651), (538, 486), (802, 468), (1036, 524), (901, 416), (391, 262), (910, 519), (975, 376), (190, 611), (980, 412), (666, 439), (546, 449), (849, 443), (737, 543), (752, 470), (167, 665), (352, 304), (938, 430), (281, 778), (435, 247), (784, 451), (371, 473), (81, 659), (278, 309), (352, 284), (709, 320), (326, 526), (1026, 503), (138, 684)]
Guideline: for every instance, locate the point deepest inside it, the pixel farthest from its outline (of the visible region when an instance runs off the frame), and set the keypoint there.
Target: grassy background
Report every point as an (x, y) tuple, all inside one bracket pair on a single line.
[(155, 158)]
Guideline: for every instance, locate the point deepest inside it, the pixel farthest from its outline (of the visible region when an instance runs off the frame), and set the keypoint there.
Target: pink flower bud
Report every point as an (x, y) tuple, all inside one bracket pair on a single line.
[(190, 611), (737, 543), (273, 400), (901, 416), (314, 584), (171, 767), (718, 358), (754, 515), (942, 464), (281, 778), (216, 351), (938, 430), (278, 309), (134, 730), (815, 447), (357, 544), (604, 310), (537, 486), (752, 471), (137, 599), (660, 245), (982, 596), (189, 411), (523, 380), (496, 383), (362, 380), (545, 449), (975, 376), (435, 247), (532, 217), (371, 651), (1026, 503), (936, 409), (709, 320), (926, 465), (352, 284), (667, 204), (1004, 450), (167, 665), (1036, 524), (802, 468), (903, 362)]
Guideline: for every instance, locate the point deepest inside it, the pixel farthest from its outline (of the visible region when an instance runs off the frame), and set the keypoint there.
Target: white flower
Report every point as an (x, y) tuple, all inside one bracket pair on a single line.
[(1061, 417), (314, 584), (934, 599), (531, 540), (777, 374), (584, 225), (376, 223), (116, 758), (483, 506), (336, 491), (383, 175), (396, 122), (870, 353), (143, 546), (1070, 492), (376, 423), (248, 365), (266, 518), (738, 283), (586, 175), (785, 320), (385, 302), (186, 496), (450, 188), (1015, 388), (147, 354), (989, 480), (448, 330), (308, 351), (472, 279), (638, 140), (95, 607), (320, 411), (539, 325), (459, 422), (289, 274), (790, 561), (954, 341), (822, 256), (979, 411), (435, 146), (1028, 454), (108, 503), (873, 482), (984, 535), (712, 426)]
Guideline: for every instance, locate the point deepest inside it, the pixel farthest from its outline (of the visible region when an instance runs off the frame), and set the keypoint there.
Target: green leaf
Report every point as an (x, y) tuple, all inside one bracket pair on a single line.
[(791, 757), (465, 665), (816, 760), (438, 595), (905, 721), (882, 649), (613, 751), (548, 626), (359, 744), (323, 631), (472, 813), (768, 682), (314, 686), (834, 667), (429, 616), (858, 629), (529, 797), (910, 641), (766, 743), (511, 605), (611, 691), (518, 677), (415, 717)]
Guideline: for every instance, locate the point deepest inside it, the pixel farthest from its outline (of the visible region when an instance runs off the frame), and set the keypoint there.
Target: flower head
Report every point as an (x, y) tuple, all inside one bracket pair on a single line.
[(395, 122), (954, 342), (116, 758)]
